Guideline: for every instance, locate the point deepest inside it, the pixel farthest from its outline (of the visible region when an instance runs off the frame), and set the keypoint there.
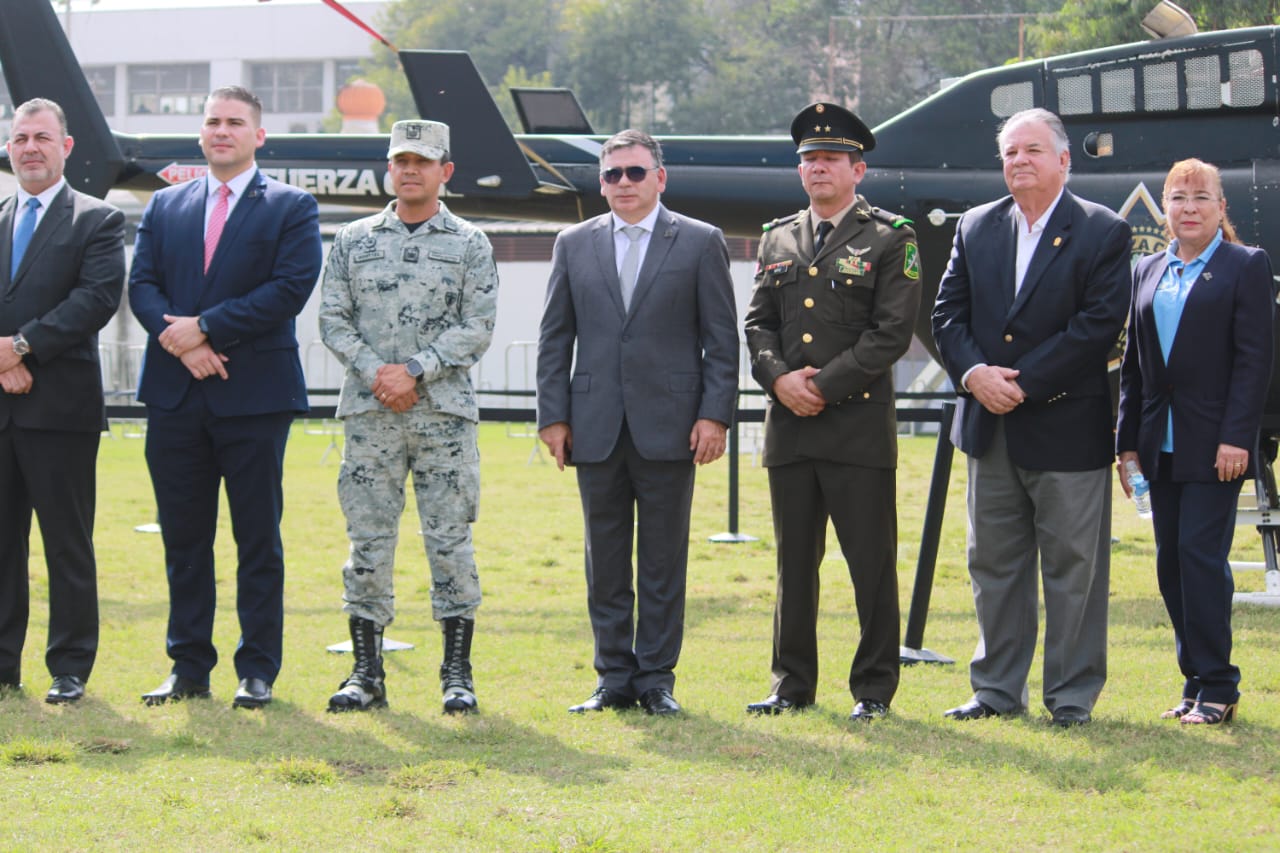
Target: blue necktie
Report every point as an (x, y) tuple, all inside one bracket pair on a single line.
[(22, 236)]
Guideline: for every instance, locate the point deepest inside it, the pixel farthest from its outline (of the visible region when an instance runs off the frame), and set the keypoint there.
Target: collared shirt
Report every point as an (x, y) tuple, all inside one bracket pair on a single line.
[(1169, 300), (621, 241), (45, 198), (238, 185), (1028, 239), (834, 220)]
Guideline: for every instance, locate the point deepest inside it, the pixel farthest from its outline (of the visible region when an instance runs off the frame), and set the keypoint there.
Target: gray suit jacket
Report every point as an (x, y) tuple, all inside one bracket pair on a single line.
[(670, 360), (67, 289)]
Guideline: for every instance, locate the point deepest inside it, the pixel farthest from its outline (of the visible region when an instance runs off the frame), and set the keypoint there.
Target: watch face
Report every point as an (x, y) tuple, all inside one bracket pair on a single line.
[(413, 367), (20, 345)]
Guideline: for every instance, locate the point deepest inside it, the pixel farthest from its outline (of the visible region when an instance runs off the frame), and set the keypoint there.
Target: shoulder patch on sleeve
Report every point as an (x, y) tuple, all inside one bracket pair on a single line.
[(911, 261)]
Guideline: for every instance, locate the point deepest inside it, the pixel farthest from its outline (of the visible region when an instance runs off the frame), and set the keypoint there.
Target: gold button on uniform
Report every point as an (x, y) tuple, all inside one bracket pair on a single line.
[(808, 302), (813, 271), (866, 395), (807, 338), (1008, 339)]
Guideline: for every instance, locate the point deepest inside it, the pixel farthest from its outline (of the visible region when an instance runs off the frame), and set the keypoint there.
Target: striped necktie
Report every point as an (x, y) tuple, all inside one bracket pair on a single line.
[(217, 220)]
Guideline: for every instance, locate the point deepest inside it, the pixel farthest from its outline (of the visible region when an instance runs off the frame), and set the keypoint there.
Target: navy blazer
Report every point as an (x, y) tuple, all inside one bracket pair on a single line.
[(265, 267), (1218, 371), (1057, 331), (67, 288), (668, 361)]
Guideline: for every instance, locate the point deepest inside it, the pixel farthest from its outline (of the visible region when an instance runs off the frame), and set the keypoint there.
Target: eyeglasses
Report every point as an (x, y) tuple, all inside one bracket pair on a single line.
[(1181, 200), (635, 174)]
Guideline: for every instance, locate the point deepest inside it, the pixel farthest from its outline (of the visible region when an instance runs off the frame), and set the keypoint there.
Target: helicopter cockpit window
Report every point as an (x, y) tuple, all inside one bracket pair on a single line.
[(1247, 87), (1118, 91), (1160, 87), (1075, 95), (1011, 98)]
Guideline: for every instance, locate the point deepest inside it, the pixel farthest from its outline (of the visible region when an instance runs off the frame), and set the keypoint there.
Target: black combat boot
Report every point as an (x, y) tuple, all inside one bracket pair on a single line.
[(364, 688), (455, 670)]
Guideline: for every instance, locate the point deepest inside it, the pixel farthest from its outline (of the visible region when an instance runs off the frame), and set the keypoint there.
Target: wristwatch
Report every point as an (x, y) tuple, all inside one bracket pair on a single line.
[(202, 325), (414, 368), (20, 345)]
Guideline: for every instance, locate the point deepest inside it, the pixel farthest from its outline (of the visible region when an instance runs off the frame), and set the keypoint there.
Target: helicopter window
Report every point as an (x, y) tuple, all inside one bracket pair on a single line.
[(1204, 82), (1075, 95), (1011, 98), (1247, 87), (1099, 145), (288, 87), (1118, 91), (168, 89), (102, 80), (1160, 86)]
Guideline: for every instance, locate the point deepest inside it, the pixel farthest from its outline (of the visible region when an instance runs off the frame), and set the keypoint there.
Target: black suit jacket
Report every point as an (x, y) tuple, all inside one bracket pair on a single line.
[(1057, 331), (67, 288), (1218, 371)]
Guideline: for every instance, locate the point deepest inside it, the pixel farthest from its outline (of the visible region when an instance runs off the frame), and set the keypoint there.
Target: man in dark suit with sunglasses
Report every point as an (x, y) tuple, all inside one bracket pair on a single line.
[(646, 295)]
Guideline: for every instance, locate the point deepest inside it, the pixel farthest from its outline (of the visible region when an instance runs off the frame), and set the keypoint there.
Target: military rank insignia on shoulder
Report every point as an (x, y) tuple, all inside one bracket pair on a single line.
[(895, 220), (781, 220)]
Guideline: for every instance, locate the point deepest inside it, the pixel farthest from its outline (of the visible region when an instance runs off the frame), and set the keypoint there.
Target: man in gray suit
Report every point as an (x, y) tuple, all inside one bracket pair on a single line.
[(646, 295), (61, 275)]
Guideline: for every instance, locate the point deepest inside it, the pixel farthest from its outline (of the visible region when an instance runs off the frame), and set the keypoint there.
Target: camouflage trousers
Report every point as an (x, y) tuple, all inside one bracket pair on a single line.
[(382, 450)]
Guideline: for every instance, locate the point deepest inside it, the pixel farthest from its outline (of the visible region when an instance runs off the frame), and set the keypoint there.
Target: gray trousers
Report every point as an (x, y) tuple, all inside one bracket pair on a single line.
[(382, 450), (1056, 522)]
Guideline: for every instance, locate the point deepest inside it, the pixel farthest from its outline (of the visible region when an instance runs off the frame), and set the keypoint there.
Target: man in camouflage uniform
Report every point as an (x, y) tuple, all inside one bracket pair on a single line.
[(409, 300), (836, 291)]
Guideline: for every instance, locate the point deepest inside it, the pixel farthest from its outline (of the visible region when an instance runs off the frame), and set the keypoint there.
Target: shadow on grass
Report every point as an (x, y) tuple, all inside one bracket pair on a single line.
[(1108, 755)]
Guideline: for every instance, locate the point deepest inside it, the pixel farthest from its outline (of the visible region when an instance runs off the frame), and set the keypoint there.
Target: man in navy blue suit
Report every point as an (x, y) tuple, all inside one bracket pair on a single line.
[(1031, 304), (221, 268)]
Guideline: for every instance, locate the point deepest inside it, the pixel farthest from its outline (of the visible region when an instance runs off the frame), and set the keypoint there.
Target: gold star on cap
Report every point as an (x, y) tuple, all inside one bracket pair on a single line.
[(827, 128)]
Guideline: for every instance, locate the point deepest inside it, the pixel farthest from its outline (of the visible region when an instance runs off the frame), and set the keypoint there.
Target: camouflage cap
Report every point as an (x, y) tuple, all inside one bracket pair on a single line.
[(428, 139)]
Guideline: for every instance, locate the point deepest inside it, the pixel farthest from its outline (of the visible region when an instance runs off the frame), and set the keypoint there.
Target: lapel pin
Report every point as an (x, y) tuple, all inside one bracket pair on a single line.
[(1057, 241), (1207, 276)]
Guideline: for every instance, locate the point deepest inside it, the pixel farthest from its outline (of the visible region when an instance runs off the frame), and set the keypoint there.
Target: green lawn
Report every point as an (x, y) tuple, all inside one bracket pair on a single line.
[(525, 775)]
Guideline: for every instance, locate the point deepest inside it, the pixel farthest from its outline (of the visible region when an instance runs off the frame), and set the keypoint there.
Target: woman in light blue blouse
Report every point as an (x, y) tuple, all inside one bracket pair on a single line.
[(1192, 388)]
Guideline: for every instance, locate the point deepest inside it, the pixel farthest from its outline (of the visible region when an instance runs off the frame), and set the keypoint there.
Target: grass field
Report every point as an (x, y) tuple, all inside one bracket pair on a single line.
[(111, 774)]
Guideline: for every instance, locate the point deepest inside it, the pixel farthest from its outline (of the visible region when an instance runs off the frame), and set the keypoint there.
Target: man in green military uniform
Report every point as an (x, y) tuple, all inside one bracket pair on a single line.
[(834, 304), (408, 304)]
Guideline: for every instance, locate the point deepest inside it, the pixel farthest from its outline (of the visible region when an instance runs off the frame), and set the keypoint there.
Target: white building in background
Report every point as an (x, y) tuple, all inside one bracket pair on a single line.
[(151, 62)]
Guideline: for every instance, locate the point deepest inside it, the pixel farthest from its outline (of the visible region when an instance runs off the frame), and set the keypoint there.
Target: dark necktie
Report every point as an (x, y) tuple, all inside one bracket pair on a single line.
[(824, 228), (22, 236)]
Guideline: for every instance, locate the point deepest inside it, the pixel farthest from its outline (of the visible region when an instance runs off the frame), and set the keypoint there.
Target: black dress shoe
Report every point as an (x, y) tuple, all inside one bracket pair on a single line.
[(252, 693), (1067, 717), (775, 704), (869, 709), (974, 709), (659, 701), (603, 698), (66, 688), (176, 687)]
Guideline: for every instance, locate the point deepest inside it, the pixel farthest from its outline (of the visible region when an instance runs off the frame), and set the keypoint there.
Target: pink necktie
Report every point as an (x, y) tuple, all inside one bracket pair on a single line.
[(216, 221)]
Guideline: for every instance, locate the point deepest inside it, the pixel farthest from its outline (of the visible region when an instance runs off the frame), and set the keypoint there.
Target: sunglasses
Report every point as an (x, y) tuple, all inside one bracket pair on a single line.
[(635, 174)]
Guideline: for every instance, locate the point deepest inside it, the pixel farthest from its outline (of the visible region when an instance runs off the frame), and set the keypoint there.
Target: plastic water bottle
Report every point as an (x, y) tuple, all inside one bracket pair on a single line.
[(1141, 489)]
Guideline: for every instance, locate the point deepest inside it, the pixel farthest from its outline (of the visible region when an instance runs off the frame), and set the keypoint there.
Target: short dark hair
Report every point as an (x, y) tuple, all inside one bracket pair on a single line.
[(37, 105), (629, 138), (239, 93)]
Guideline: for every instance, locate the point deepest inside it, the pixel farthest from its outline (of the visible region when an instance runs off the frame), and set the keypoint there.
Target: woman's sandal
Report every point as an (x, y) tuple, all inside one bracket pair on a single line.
[(1186, 706), (1204, 714)]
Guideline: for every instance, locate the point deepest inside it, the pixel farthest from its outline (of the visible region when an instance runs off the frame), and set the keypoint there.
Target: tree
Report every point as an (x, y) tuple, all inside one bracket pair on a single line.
[(1088, 24), (504, 37)]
